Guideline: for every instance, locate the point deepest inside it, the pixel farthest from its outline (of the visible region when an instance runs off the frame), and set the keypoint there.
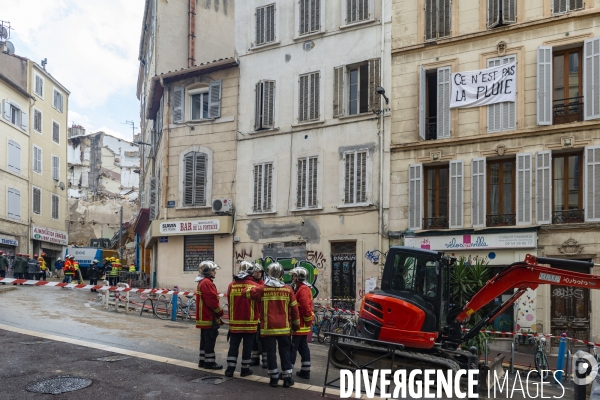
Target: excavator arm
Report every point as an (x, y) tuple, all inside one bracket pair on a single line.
[(522, 276)]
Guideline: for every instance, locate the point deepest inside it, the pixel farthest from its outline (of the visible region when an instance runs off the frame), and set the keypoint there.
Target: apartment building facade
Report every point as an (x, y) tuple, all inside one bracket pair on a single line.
[(499, 181), (187, 86), (312, 142), (34, 119)]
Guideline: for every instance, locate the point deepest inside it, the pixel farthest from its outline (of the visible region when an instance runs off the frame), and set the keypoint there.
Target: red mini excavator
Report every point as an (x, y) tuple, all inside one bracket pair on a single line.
[(413, 307)]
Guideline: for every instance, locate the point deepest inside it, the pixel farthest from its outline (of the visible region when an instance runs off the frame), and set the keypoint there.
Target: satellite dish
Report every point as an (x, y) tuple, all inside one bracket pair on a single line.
[(3, 33), (10, 48), (61, 186)]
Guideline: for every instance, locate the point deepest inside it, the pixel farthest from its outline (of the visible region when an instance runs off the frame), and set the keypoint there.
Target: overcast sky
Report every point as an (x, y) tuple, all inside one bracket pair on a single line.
[(92, 49)]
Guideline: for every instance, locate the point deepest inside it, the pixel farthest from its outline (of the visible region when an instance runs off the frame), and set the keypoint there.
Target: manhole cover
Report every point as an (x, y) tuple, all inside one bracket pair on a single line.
[(212, 380), (61, 384), (112, 358)]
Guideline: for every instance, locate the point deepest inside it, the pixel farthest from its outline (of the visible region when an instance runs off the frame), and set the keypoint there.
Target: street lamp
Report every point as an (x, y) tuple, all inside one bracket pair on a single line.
[(143, 143)]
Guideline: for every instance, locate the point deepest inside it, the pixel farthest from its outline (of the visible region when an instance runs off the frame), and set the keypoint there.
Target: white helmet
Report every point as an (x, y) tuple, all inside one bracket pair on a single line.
[(95, 261), (301, 272), (59, 259), (274, 274), (207, 266), (246, 268)]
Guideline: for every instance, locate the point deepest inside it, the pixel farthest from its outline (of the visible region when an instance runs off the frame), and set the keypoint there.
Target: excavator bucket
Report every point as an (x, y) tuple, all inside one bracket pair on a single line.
[(495, 370)]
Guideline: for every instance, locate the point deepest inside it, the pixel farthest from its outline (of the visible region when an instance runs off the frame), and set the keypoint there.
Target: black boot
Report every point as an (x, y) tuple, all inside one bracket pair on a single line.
[(264, 364), (212, 365), (229, 372), (287, 382), (303, 374), (246, 372), (201, 364), (274, 382), (255, 361)]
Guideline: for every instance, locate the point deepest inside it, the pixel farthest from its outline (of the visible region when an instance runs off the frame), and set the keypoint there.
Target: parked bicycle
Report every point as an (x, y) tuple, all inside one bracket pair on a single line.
[(185, 309), (541, 362), (335, 322)]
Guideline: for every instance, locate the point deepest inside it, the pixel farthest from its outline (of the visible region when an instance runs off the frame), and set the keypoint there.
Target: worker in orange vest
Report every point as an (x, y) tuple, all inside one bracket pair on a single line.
[(43, 267), (69, 269)]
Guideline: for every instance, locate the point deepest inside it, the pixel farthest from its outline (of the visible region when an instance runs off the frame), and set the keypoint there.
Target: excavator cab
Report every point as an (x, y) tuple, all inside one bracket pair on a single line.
[(413, 300)]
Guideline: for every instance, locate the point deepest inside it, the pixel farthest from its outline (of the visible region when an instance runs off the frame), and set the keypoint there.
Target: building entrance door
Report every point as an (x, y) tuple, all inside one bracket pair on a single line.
[(343, 274)]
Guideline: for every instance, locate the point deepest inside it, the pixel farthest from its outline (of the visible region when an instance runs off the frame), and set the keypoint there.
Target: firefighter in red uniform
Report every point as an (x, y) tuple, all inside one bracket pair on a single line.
[(208, 313), (277, 303), (303, 293), (243, 319)]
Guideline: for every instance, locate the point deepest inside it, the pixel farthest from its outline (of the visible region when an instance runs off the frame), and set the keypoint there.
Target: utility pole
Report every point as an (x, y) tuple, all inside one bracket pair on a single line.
[(121, 236), (132, 128)]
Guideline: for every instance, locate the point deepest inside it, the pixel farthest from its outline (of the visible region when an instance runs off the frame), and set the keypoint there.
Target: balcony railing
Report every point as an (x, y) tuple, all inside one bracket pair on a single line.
[(435, 223), (568, 217), (567, 110), (431, 128), (501, 220)]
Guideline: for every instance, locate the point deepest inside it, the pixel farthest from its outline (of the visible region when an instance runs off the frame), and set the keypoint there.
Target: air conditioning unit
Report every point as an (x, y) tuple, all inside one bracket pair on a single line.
[(222, 205)]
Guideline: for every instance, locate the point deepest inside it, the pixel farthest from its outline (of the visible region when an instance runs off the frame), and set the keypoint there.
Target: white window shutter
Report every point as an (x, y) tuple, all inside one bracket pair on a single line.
[(509, 11), (303, 101), (361, 177), (315, 96), (493, 13), (258, 185), (544, 85), (14, 157), (444, 16), (591, 78), (543, 187), (422, 97), (301, 184), (178, 104), (509, 113), (415, 196), (268, 187), (349, 177), (268, 117), (338, 91), (523, 189), (430, 19), (559, 6), (14, 204), (37, 201), (443, 111), (494, 111), (592, 183), (258, 106), (313, 200), (260, 25), (315, 15), (456, 194), (6, 109), (214, 100), (153, 199), (24, 120), (478, 194)]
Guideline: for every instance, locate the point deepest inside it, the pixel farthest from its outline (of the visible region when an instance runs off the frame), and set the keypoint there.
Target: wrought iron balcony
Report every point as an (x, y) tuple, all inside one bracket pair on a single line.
[(501, 220), (431, 128), (568, 217), (567, 110), (435, 223)]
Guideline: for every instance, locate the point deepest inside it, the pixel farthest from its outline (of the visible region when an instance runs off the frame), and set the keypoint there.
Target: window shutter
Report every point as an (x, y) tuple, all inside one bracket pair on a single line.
[(591, 78), (301, 188), (55, 168), (592, 183), (37, 120), (478, 183), (214, 100), (430, 19), (361, 177), (270, 24), (456, 193), (188, 182), (258, 195), (39, 86), (24, 120), (422, 97), (6, 109), (178, 104), (258, 106), (338, 91), (444, 18), (544, 85), (37, 201), (443, 93), (304, 22), (559, 6), (494, 111), (575, 4), (37, 162), (493, 13), (200, 179), (268, 187), (315, 98), (303, 98), (260, 25), (268, 120), (153, 198), (55, 132), (349, 178), (55, 206), (374, 81), (315, 15), (14, 203), (415, 196), (543, 187), (14, 157), (312, 179), (509, 11), (350, 10), (523, 189), (509, 108)]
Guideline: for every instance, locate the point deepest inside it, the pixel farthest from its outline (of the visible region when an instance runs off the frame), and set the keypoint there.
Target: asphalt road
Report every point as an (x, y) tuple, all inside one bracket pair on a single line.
[(163, 354)]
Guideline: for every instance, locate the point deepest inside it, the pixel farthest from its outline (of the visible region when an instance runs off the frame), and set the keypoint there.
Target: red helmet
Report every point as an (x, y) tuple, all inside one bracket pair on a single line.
[(18, 254), (0, 252), (43, 254), (26, 255), (35, 256)]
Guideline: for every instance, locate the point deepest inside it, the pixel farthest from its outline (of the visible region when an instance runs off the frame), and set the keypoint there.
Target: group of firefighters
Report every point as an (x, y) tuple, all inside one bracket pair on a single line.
[(264, 313), (25, 267)]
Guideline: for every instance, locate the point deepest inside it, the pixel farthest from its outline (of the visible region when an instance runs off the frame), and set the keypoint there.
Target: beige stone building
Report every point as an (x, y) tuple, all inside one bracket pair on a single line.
[(33, 207), (506, 179), (187, 86)]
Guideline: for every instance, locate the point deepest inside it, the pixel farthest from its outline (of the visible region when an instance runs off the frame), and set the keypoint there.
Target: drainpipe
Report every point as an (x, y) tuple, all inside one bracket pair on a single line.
[(192, 34), (381, 128), (166, 99)]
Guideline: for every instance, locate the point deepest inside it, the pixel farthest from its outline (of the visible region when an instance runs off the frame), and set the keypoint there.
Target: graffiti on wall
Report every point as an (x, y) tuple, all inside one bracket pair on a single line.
[(568, 292), (373, 256), (316, 257), (243, 254), (290, 263)]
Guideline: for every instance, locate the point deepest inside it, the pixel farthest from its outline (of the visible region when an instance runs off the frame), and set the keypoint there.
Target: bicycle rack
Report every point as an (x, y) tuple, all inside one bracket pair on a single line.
[(335, 337)]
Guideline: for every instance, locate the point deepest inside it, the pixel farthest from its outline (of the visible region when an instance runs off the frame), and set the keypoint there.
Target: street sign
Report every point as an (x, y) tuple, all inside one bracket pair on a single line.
[(163, 239), (171, 204)]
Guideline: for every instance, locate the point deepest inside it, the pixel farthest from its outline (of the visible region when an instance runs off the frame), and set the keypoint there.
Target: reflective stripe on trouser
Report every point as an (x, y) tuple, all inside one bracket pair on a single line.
[(234, 345), (284, 344), (208, 345), (300, 345), (201, 354)]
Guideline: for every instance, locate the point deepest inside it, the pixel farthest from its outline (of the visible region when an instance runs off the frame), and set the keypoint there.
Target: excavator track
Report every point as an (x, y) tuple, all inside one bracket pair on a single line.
[(362, 353)]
